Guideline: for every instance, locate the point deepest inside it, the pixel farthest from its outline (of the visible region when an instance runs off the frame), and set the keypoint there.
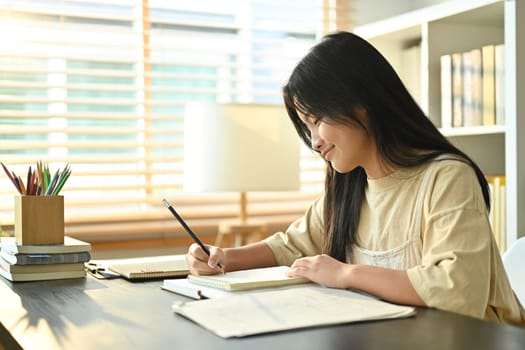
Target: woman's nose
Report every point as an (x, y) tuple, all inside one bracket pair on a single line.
[(317, 142)]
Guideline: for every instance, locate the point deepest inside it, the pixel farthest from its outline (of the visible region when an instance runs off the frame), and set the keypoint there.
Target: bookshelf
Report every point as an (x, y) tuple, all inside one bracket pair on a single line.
[(414, 42)]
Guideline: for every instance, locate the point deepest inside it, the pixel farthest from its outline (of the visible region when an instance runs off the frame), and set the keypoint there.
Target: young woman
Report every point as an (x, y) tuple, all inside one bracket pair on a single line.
[(404, 214)]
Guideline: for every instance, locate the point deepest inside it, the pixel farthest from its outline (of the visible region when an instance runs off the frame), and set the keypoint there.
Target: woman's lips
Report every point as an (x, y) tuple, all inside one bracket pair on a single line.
[(325, 152)]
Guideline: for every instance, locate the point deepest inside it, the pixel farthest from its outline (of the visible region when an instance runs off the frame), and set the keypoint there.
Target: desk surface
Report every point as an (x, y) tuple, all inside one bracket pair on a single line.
[(117, 314)]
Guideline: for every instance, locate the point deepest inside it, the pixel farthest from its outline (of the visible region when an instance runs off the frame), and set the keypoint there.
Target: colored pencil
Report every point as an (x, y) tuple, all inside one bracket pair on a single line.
[(39, 181), (10, 176)]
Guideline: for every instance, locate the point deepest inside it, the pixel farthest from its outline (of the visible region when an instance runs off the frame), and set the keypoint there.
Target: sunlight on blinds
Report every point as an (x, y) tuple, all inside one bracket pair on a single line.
[(102, 84)]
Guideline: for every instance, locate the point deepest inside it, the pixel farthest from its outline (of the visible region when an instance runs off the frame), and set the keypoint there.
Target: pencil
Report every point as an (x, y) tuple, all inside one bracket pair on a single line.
[(52, 184), (10, 176), (187, 228), (18, 185), (29, 181), (21, 183), (62, 180)]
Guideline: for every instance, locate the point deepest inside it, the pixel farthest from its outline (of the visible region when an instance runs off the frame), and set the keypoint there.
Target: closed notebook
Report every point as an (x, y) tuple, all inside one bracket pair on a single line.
[(183, 286), (157, 268), (249, 279)]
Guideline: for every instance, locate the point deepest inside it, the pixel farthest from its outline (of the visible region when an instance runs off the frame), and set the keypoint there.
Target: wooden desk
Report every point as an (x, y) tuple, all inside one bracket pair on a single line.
[(116, 314)]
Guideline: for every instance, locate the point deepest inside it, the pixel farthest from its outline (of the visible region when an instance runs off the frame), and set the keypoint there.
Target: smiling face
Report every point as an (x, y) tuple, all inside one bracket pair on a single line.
[(345, 146)]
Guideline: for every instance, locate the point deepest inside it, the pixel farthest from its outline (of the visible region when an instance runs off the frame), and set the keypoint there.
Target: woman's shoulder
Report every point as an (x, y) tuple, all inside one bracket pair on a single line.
[(444, 168), (455, 181), (451, 165)]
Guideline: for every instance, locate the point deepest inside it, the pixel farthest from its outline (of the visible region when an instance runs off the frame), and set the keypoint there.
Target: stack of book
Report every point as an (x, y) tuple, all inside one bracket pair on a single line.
[(43, 262), (472, 87)]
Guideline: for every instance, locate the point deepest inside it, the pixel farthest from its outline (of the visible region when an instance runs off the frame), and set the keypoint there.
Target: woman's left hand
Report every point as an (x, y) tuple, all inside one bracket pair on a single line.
[(322, 269)]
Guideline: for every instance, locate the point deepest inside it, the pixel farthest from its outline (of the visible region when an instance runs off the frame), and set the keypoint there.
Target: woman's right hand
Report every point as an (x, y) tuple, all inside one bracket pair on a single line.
[(199, 263)]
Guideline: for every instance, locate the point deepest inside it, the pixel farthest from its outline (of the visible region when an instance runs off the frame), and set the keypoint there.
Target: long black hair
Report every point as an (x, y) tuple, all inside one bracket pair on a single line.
[(342, 74)]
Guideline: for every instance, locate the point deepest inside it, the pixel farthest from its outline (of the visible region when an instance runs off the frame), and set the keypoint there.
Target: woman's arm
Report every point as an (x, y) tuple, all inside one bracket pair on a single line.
[(230, 259), (249, 257), (387, 284)]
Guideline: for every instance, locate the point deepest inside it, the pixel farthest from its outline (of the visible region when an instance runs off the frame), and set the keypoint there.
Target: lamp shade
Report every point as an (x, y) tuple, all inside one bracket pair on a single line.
[(239, 147)]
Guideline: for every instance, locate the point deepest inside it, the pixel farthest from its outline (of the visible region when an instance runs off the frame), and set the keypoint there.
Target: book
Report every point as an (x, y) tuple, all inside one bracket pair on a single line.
[(467, 73), (278, 310), (38, 259), (446, 91), (476, 85), (160, 267), (248, 279), (457, 90), (183, 286), (489, 110), (12, 268), (499, 83), (41, 276), (71, 245)]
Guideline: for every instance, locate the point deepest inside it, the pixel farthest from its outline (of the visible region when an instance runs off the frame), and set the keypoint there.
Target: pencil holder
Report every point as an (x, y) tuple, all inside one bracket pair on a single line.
[(39, 220)]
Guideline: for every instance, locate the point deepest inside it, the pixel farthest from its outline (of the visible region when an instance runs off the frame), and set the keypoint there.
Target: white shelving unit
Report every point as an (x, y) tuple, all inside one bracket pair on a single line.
[(413, 43)]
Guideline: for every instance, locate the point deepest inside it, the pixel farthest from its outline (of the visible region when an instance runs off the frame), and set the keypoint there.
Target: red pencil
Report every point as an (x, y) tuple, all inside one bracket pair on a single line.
[(12, 178)]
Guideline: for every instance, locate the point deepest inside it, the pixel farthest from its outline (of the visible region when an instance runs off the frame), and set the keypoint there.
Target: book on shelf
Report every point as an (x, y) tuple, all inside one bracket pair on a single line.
[(248, 279), (476, 94), (488, 85), (457, 90), (38, 259), (149, 268), (71, 245), (467, 73), (499, 83), (472, 87), (273, 310), (446, 91)]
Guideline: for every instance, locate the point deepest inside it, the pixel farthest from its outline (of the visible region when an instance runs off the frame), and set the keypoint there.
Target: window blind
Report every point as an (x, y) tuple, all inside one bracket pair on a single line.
[(101, 85)]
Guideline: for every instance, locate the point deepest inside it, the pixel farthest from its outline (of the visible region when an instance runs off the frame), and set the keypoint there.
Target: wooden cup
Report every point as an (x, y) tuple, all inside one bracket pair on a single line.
[(39, 220)]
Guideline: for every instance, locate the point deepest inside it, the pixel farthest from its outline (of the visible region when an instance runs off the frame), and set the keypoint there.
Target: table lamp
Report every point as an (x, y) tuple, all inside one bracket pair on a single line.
[(241, 148)]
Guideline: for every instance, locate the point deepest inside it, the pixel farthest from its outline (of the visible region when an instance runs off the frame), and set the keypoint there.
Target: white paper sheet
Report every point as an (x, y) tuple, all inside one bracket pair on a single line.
[(254, 313)]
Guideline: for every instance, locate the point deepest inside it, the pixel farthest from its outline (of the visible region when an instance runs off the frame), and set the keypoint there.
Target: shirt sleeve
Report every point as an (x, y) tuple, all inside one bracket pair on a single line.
[(302, 238), (455, 271)]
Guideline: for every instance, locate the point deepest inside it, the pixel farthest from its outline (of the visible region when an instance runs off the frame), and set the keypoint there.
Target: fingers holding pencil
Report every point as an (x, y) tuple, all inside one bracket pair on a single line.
[(200, 263)]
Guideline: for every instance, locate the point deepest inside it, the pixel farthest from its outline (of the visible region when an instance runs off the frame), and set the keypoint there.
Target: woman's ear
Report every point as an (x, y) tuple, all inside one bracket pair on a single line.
[(361, 117)]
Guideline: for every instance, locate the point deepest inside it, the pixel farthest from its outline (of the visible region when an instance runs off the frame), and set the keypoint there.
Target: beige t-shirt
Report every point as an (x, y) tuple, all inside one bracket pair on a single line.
[(460, 269)]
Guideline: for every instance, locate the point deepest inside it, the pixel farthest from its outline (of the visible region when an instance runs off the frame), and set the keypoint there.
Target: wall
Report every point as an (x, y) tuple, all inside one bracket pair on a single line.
[(373, 10)]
